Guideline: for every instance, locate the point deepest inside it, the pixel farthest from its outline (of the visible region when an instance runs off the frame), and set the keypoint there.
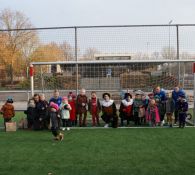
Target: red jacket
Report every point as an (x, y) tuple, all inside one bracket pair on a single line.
[(73, 110)]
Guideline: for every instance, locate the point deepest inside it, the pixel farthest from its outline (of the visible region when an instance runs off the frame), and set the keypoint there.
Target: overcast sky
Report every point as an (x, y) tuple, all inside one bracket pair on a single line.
[(51, 13)]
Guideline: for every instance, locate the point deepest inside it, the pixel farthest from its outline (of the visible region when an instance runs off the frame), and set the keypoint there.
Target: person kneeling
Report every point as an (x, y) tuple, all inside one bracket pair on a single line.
[(109, 111)]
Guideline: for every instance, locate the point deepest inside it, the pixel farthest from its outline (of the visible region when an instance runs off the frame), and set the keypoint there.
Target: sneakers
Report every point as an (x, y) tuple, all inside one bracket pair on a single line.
[(106, 126), (63, 129), (61, 136), (68, 129)]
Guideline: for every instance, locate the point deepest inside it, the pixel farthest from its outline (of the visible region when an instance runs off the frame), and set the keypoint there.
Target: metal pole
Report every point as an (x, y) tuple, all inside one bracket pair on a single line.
[(169, 69), (169, 36), (194, 90), (31, 80), (177, 32), (76, 58), (42, 82)]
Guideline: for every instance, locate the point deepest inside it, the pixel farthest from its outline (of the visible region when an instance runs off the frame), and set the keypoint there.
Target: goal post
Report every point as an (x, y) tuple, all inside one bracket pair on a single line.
[(113, 76)]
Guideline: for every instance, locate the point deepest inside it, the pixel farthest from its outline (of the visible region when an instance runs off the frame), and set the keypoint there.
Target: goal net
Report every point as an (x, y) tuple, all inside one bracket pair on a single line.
[(113, 75)]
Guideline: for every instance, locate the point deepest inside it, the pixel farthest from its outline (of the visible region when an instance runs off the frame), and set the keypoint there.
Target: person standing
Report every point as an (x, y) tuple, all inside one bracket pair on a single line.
[(81, 108), (65, 109), (94, 109), (160, 97), (54, 117), (72, 102), (169, 108), (126, 109), (8, 111), (175, 95), (182, 106)]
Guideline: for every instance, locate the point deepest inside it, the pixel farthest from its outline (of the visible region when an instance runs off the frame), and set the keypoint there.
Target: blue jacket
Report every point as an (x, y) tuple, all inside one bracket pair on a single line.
[(57, 101), (175, 95), (161, 95)]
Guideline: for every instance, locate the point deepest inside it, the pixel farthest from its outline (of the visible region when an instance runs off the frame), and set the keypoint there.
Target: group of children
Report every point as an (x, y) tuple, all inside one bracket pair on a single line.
[(63, 111)]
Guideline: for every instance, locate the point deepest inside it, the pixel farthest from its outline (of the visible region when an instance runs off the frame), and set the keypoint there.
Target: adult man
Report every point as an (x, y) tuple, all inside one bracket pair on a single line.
[(175, 95)]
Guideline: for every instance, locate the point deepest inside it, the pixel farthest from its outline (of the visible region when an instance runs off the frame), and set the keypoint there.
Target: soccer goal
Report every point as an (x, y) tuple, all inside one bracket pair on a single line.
[(112, 75)]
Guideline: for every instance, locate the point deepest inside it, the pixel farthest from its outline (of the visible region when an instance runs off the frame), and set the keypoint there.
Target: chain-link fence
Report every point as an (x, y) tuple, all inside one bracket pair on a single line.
[(19, 47)]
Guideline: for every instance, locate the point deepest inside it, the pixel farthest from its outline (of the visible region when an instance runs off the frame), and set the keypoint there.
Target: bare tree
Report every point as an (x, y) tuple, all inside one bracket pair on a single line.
[(168, 53), (68, 51), (89, 54), (19, 41), (155, 55)]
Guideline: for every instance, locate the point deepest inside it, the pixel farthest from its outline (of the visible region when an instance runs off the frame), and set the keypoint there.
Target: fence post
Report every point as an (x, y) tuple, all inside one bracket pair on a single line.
[(194, 90), (76, 58), (31, 72), (177, 32)]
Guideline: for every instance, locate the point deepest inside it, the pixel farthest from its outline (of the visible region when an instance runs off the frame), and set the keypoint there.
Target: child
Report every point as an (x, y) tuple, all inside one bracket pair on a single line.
[(137, 105), (160, 96), (42, 108), (94, 109), (8, 110), (82, 107), (109, 111), (126, 108), (152, 115), (169, 108), (71, 101), (65, 109), (31, 113), (53, 113), (182, 106)]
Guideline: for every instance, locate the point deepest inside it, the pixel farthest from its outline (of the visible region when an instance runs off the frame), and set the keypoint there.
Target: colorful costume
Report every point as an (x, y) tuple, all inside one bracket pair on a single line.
[(126, 111), (94, 109), (109, 113), (72, 103), (152, 115)]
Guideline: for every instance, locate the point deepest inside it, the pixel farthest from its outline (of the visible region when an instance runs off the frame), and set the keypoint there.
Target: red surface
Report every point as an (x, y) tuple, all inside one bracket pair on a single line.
[(31, 70), (194, 67)]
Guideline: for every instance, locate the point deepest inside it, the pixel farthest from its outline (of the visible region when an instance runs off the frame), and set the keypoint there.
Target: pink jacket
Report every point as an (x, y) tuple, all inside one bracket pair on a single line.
[(148, 114)]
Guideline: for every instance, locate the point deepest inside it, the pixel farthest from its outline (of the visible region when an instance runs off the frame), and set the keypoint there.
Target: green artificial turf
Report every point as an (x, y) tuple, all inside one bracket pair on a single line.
[(149, 151)]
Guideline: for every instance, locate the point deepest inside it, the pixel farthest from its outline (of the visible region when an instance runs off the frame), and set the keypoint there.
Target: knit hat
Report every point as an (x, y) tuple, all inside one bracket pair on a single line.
[(54, 105), (9, 100), (70, 94)]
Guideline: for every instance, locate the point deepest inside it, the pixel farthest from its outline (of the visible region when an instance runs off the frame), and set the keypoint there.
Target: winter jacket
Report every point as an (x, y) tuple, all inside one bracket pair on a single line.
[(58, 100), (175, 95), (81, 104), (8, 111)]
